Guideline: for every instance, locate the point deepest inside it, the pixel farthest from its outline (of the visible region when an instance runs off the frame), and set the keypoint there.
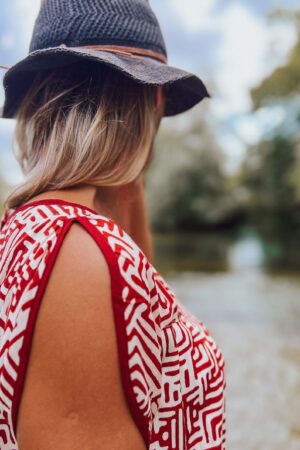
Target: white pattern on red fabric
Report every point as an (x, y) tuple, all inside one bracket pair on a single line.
[(171, 368)]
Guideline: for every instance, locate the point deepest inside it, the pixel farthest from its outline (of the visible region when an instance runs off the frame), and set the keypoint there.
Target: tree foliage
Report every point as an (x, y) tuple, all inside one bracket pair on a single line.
[(273, 202), (187, 186), (284, 80)]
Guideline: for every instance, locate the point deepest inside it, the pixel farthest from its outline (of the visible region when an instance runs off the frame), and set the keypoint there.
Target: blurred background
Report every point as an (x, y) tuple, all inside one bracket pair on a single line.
[(223, 191)]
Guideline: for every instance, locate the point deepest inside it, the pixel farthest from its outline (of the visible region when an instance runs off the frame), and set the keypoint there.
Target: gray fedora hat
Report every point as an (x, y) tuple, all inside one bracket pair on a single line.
[(124, 34)]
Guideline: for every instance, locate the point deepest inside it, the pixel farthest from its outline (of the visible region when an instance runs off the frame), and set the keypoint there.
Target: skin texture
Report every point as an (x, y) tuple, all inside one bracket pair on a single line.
[(73, 397)]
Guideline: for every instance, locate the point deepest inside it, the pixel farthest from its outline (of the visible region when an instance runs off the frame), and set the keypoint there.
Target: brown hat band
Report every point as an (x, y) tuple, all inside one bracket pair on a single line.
[(130, 52)]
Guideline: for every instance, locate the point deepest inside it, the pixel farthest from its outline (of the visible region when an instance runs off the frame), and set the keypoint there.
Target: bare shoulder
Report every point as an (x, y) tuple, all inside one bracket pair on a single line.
[(73, 381)]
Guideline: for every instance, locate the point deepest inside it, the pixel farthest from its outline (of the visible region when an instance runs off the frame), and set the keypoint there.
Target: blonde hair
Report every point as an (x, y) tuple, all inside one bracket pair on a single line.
[(83, 123)]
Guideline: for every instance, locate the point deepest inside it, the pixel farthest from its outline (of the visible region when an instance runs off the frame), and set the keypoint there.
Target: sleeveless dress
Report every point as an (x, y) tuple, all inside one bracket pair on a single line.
[(171, 368)]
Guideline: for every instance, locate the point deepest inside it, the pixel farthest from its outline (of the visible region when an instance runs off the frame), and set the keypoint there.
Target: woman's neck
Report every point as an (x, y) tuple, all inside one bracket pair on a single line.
[(126, 205)]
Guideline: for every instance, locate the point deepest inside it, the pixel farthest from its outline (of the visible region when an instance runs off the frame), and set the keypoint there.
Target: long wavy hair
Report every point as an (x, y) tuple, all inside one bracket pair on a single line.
[(82, 123)]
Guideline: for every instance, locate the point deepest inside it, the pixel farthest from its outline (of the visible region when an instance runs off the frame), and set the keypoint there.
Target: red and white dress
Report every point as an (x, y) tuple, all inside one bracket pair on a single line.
[(172, 370)]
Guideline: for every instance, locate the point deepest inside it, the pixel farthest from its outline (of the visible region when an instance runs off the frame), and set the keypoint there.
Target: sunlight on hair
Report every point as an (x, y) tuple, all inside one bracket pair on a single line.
[(82, 123)]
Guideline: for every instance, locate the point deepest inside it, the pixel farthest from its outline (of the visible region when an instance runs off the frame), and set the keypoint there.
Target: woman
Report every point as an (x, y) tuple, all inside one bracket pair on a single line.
[(96, 350)]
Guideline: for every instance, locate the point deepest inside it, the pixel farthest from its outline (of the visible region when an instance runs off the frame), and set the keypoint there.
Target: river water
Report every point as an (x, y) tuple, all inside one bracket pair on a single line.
[(254, 315)]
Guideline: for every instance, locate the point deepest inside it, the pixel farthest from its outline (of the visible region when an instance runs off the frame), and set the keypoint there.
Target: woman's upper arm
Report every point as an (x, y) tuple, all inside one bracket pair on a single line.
[(72, 395)]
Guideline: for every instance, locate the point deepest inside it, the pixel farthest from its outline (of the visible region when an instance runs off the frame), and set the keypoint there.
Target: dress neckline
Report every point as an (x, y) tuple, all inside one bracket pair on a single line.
[(48, 201)]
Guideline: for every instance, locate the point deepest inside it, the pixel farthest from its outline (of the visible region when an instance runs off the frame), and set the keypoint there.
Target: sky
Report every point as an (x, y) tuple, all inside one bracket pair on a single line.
[(232, 46), (229, 44)]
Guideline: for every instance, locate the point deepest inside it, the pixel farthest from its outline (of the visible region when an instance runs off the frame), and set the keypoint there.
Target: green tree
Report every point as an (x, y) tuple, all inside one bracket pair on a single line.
[(272, 200), (186, 184), (284, 80)]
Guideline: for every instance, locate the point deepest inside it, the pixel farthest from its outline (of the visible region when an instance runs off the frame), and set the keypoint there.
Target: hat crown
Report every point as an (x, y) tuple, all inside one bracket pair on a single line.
[(96, 22)]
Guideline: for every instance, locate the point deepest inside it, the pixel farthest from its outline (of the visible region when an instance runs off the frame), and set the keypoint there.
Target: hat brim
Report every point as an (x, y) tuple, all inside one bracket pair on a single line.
[(183, 90)]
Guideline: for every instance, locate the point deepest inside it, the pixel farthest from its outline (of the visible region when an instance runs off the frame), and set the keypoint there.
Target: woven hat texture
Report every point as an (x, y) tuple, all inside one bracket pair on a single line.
[(83, 22), (79, 24)]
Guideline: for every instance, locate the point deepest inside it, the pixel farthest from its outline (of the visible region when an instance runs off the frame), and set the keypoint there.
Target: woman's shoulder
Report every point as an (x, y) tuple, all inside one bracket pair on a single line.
[(40, 214), (45, 220), (75, 336), (40, 227)]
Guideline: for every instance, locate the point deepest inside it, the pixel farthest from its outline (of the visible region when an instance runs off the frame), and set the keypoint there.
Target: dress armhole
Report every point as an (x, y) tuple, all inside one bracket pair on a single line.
[(117, 286)]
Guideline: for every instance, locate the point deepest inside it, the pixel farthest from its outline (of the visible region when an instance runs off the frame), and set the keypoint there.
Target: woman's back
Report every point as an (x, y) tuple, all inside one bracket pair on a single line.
[(171, 373)]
